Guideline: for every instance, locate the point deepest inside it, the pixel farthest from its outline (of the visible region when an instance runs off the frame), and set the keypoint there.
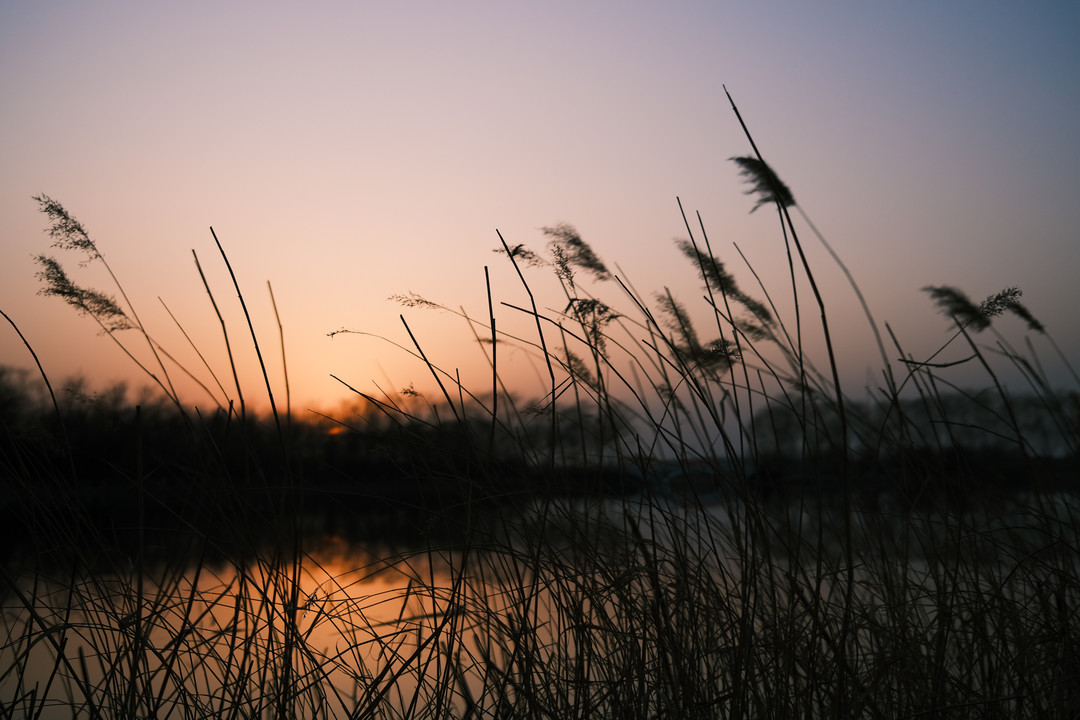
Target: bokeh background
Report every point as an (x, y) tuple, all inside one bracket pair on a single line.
[(346, 152)]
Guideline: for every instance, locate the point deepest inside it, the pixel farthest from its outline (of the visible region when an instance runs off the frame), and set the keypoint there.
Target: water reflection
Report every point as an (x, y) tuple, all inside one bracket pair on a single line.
[(253, 636), (574, 608)]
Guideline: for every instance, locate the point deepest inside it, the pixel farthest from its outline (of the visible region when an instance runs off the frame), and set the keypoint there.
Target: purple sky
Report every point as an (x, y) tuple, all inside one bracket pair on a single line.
[(347, 152)]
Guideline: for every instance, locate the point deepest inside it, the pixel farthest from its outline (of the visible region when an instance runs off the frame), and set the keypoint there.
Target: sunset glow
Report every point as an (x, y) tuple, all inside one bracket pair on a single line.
[(346, 153)]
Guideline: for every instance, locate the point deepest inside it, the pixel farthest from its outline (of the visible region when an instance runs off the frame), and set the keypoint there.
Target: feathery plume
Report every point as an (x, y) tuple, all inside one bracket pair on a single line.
[(67, 232), (955, 303), (713, 273), (571, 250), (520, 252), (764, 183)]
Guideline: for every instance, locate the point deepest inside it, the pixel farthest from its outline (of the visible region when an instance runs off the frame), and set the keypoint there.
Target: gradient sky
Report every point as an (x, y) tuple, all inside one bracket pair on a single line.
[(349, 151)]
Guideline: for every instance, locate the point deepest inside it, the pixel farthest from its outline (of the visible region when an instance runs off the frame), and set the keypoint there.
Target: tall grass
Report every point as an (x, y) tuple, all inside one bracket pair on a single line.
[(691, 519)]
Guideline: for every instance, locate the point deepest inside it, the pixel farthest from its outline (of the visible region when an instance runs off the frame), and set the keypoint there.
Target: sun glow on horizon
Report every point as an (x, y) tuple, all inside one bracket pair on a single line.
[(348, 155)]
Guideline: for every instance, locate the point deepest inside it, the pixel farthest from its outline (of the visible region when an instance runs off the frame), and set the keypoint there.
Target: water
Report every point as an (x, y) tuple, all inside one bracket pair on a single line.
[(353, 629), (210, 638), (602, 606)]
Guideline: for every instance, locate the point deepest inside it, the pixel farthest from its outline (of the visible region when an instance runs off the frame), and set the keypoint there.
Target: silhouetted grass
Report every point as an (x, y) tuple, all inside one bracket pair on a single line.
[(692, 519)]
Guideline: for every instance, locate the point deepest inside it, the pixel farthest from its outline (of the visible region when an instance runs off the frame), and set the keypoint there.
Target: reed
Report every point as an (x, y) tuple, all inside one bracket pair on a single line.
[(690, 519)]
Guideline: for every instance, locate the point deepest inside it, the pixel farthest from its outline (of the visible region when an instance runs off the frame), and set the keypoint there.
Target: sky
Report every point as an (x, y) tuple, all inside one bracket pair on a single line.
[(347, 152)]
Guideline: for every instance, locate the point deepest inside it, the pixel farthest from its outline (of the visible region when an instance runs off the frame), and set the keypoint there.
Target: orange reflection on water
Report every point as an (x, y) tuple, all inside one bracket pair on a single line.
[(343, 631)]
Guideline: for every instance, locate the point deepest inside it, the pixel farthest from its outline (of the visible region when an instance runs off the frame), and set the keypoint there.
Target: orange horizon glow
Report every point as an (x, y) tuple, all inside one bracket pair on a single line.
[(348, 154)]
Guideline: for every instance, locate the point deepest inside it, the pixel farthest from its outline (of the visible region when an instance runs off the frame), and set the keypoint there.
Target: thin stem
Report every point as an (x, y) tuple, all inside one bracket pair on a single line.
[(254, 337), (284, 365), (225, 334), (48, 386)]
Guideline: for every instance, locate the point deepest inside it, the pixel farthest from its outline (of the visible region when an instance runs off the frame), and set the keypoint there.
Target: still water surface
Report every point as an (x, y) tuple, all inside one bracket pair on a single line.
[(372, 631)]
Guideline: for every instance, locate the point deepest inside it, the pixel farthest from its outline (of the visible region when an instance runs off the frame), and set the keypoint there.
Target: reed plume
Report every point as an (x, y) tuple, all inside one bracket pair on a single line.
[(763, 182), (956, 304)]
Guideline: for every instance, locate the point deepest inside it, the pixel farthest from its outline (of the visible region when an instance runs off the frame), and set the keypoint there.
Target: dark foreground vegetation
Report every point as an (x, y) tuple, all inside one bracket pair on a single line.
[(102, 460), (679, 527)]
